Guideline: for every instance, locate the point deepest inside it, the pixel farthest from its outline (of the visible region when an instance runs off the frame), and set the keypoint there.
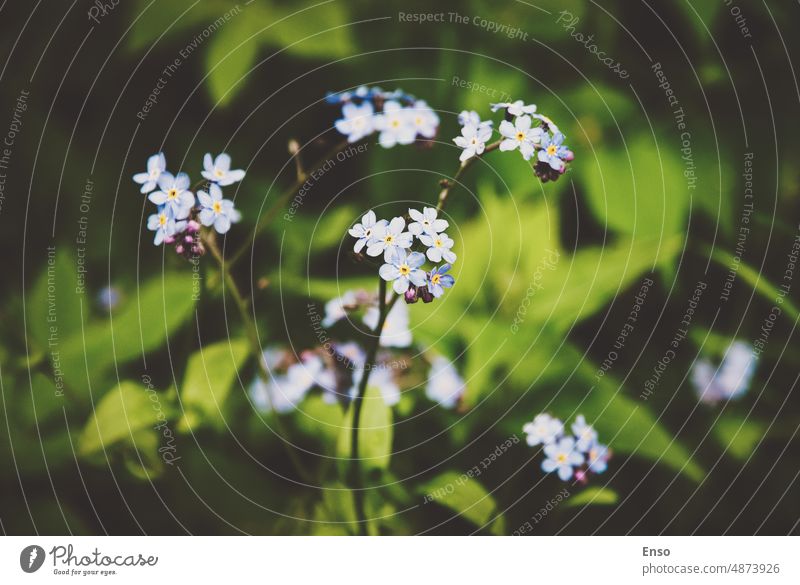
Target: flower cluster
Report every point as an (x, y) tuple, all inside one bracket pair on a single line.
[(399, 117), (536, 137), (179, 214), (728, 382), (569, 455), (403, 266)]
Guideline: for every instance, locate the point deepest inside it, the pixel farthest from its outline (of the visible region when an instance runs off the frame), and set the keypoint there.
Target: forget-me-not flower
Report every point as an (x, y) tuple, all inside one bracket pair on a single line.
[(164, 224), (365, 230), (597, 458), (585, 434), (444, 385), (387, 238), (472, 140), (424, 119), (174, 194), (395, 125), (438, 247), (426, 222), (156, 165), (438, 280), (357, 121), (561, 456), (516, 108), (544, 430), (553, 152), (218, 170), (731, 380), (215, 210), (520, 135), (403, 270)]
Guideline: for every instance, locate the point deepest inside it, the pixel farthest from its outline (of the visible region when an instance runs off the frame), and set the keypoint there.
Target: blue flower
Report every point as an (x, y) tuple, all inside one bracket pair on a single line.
[(553, 152), (164, 224), (174, 194), (389, 237), (425, 222), (357, 121), (218, 170), (520, 135), (438, 247), (517, 108), (544, 430), (731, 380), (403, 270), (396, 125), (364, 231), (444, 385), (585, 435), (597, 458), (156, 165), (562, 457), (217, 211), (424, 119), (438, 280)]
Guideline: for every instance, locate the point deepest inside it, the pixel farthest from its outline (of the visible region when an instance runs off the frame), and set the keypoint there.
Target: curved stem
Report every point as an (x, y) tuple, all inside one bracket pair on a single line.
[(209, 239), (448, 184)]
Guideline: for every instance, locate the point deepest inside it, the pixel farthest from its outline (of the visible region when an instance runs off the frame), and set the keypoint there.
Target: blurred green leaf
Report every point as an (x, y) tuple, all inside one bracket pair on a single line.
[(231, 54), (142, 459), (163, 304), (210, 373), (739, 435), (641, 191), (701, 16), (41, 402), (595, 496), (319, 419), (375, 432), (466, 497), (53, 306), (120, 414)]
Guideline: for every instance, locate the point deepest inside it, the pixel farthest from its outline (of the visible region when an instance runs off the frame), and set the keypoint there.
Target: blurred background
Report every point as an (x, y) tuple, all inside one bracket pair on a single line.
[(125, 373)]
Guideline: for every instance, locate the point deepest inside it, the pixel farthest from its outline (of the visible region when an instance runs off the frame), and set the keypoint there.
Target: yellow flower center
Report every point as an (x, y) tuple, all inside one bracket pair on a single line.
[(389, 238), (217, 207), (435, 279), (561, 458), (437, 243), (172, 194), (520, 136), (551, 150), (162, 219), (418, 121), (395, 123), (219, 172), (405, 270)]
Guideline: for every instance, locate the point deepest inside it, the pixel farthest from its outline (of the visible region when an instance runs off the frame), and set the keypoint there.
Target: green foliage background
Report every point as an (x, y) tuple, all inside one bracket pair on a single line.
[(89, 461)]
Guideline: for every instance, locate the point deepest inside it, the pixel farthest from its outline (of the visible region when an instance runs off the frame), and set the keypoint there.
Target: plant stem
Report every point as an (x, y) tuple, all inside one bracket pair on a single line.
[(450, 183), (384, 308), (209, 239), (358, 402)]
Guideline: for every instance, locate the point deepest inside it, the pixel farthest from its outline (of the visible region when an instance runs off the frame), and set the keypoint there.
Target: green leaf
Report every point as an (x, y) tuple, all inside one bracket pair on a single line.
[(42, 402), (756, 280), (641, 192), (319, 420), (463, 495), (701, 16), (162, 306), (154, 19), (739, 435), (210, 373), (121, 413), (594, 496), (230, 57), (375, 432), (53, 307)]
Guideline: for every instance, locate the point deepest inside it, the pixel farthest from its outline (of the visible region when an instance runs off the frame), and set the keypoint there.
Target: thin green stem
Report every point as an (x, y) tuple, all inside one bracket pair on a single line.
[(209, 239), (384, 308)]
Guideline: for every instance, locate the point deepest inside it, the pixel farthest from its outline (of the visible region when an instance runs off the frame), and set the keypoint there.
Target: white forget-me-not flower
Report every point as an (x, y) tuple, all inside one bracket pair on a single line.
[(156, 165)]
